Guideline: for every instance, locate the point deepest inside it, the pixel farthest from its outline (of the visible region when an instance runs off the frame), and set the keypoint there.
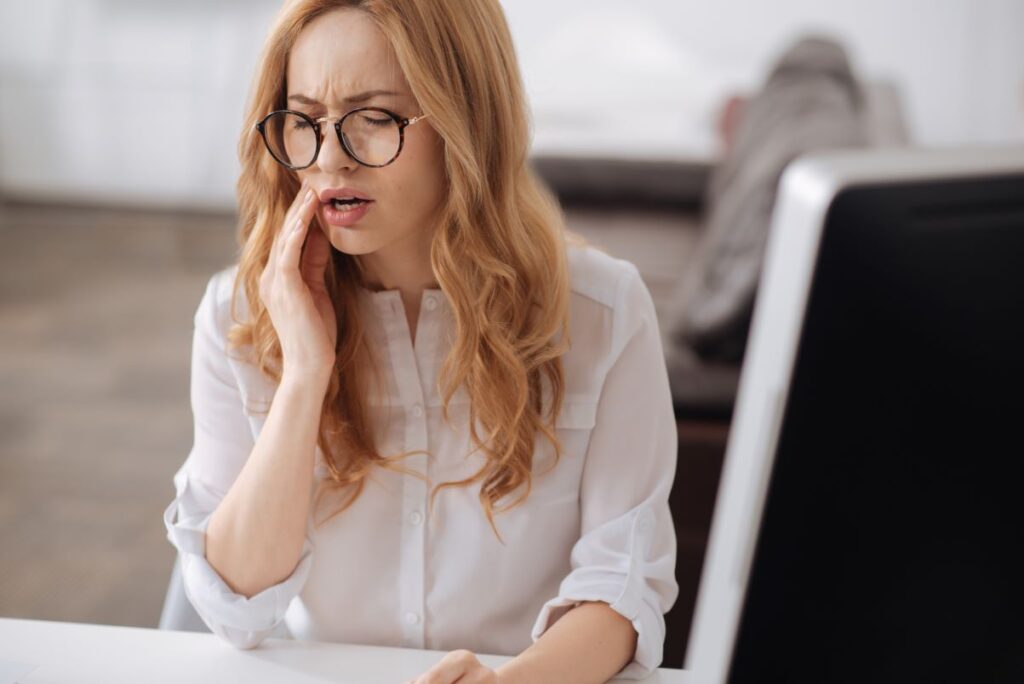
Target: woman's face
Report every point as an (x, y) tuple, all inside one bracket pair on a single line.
[(336, 57)]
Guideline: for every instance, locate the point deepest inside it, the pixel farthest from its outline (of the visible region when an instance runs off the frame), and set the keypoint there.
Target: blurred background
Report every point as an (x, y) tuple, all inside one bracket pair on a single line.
[(119, 121)]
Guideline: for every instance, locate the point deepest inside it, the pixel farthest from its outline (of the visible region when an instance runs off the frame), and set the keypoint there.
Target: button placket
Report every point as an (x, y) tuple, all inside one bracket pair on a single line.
[(412, 566), (429, 348)]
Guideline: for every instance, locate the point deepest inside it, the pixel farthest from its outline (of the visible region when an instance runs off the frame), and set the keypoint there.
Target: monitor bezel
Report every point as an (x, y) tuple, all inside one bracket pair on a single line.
[(807, 190)]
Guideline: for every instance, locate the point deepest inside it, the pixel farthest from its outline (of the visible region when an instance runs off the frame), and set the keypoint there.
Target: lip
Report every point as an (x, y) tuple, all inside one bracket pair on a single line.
[(329, 194)]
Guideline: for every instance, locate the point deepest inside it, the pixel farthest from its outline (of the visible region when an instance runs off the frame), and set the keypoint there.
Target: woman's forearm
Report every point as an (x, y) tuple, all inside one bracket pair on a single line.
[(255, 537), (590, 644)]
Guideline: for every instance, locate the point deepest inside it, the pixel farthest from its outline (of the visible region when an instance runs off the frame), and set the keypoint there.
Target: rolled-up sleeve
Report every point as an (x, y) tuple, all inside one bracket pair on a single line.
[(222, 443), (626, 554)]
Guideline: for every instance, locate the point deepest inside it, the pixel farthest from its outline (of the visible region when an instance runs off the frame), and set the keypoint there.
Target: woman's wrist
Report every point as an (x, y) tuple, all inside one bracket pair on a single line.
[(305, 381)]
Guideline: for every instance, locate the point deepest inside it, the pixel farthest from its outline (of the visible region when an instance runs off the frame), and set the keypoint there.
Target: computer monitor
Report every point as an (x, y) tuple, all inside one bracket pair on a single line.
[(869, 524)]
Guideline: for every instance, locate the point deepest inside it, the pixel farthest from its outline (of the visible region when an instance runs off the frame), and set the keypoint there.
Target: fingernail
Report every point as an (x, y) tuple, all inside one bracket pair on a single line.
[(309, 196)]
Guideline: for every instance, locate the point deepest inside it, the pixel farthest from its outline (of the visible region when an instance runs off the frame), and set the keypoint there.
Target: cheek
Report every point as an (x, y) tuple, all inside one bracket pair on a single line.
[(419, 179)]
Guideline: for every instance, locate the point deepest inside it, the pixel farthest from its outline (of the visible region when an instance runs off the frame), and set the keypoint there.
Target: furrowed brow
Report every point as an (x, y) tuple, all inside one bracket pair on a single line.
[(360, 97)]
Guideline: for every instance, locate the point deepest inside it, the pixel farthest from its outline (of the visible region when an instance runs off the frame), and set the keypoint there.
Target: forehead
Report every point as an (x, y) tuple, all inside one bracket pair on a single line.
[(341, 53)]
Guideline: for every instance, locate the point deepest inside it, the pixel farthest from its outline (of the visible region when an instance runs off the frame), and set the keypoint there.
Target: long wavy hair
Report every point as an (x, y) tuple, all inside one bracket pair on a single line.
[(499, 251)]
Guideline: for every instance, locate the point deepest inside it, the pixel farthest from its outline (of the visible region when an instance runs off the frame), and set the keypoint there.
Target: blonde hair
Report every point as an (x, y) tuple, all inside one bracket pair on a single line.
[(498, 253)]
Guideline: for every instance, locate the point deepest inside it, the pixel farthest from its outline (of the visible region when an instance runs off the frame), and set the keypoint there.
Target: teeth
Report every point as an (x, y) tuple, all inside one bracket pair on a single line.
[(348, 204)]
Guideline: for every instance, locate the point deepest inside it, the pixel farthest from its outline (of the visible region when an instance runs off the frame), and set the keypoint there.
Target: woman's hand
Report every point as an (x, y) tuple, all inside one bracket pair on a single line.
[(458, 666), (293, 289)]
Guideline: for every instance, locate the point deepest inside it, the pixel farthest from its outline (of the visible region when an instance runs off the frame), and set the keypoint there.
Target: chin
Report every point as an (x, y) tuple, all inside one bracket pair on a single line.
[(344, 240)]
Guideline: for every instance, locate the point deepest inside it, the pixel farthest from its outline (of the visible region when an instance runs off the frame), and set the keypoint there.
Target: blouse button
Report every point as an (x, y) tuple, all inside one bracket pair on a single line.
[(416, 518), (417, 410), (430, 303), (412, 618)]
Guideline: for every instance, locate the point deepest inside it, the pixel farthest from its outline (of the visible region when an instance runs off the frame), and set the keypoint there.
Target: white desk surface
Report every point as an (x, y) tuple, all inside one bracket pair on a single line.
[(72, 652)]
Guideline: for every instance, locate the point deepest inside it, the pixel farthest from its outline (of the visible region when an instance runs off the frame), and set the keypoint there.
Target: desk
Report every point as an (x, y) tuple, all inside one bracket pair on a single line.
[(71, 652)]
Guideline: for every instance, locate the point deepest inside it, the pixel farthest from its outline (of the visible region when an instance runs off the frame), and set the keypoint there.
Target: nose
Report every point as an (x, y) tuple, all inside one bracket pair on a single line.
[(333, 156)]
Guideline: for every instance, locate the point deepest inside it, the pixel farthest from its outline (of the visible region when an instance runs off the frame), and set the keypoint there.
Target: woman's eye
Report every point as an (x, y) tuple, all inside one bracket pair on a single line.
[(376, 122)]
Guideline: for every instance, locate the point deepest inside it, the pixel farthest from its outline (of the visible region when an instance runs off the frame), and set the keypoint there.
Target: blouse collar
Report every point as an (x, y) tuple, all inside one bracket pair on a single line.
[(384, 300)]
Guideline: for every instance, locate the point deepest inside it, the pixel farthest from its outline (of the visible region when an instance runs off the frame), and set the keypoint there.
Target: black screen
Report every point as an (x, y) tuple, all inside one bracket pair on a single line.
[(892, 543)]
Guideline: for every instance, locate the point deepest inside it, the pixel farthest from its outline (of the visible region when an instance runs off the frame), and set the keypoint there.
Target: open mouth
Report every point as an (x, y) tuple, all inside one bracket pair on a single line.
[(346, 212), (345, 205)]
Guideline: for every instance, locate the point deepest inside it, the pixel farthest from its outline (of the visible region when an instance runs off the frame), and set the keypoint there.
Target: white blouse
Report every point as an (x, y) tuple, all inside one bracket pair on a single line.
[(384, 572)]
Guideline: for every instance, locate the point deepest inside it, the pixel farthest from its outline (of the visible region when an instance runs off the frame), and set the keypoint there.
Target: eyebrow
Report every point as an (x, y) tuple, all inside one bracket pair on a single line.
[(361, 97)]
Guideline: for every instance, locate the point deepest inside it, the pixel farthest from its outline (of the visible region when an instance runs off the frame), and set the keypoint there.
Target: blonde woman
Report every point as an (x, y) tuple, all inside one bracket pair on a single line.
[(426, 416)]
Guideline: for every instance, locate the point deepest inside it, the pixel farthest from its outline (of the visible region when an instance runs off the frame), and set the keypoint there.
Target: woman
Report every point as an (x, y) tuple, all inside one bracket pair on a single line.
[(407, 310)]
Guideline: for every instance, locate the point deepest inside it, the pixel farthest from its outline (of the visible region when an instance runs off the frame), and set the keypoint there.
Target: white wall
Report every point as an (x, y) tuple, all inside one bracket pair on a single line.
[(125, 100), (960, 64), (141, 101)]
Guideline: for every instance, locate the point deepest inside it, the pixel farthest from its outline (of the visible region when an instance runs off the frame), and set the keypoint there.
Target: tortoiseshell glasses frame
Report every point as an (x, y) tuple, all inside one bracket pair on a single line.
[(317, 124)]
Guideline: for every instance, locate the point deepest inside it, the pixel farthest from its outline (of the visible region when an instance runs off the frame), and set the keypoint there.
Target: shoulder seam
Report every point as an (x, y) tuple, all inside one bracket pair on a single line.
[(629, 275), (623, 266)]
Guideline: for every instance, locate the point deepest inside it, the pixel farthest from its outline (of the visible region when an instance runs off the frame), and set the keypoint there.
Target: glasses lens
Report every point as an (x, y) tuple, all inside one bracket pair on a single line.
[(373, 137), (290, 138)]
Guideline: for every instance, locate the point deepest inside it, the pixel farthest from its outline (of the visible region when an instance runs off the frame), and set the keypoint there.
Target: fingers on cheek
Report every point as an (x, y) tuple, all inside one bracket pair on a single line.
[(295, 231), (287, 260), (282, 257), (285, 239)]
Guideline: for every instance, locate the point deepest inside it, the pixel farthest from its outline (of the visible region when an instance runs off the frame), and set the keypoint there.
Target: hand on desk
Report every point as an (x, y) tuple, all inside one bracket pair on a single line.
[(458, 666)]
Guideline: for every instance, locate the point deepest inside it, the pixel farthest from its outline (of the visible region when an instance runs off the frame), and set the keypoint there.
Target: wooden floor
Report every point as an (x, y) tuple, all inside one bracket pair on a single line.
[(96, 313)]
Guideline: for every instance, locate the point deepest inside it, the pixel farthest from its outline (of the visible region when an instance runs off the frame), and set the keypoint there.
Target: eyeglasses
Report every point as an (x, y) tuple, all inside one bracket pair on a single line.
[(372, 136)]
